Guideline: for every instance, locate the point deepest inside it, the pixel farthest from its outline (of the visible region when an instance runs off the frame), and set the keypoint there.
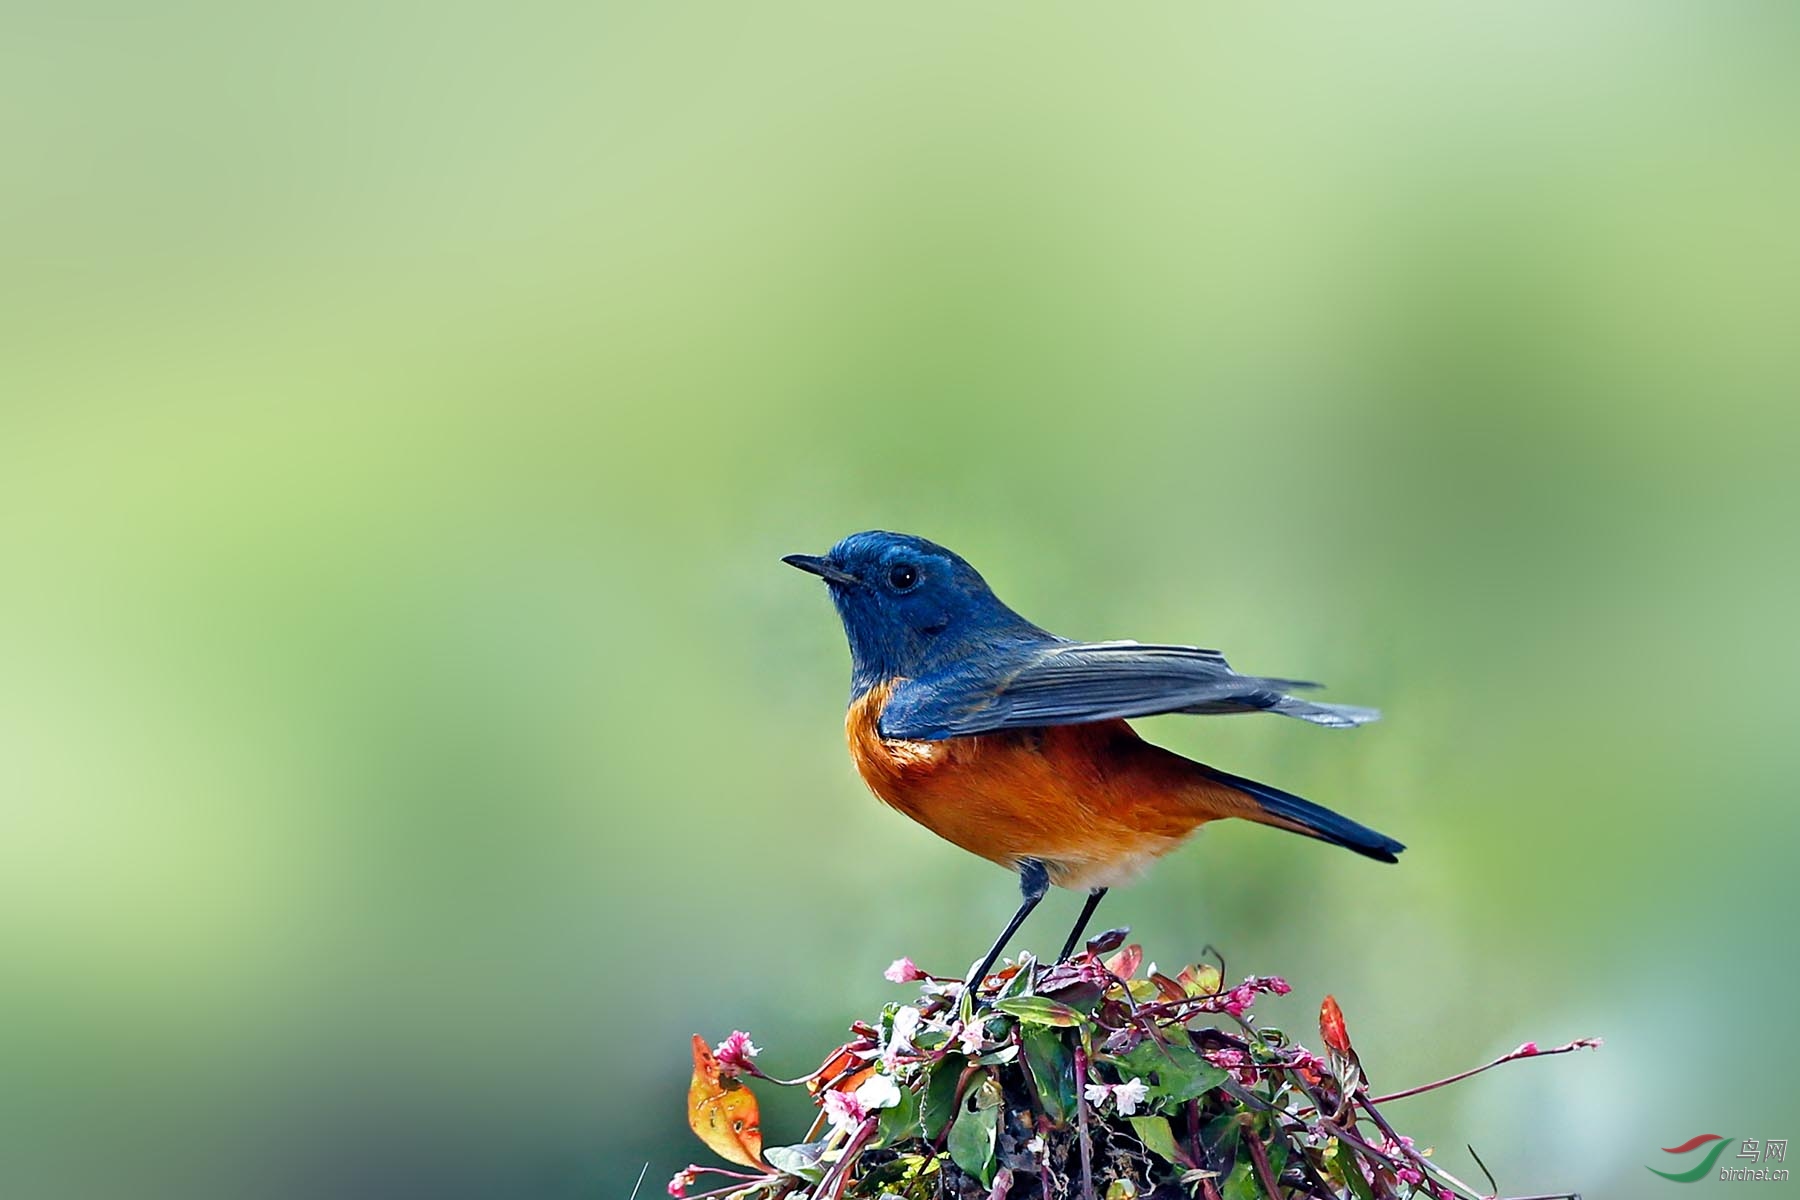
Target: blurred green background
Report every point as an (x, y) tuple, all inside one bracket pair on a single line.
[(409, 736)]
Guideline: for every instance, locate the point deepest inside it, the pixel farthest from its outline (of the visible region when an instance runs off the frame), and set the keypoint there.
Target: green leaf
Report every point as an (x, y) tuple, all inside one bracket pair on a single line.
[(1242, 1184), (1052, 1067), (1020, 983), (972, 1137), (1155, 1133), (900, 1121), (1174, 1073), (939, 1104), (909, 1177), (1344, 1159), (1278, 1155), (1220, 1138), (1041, 1010), (802, 1161)]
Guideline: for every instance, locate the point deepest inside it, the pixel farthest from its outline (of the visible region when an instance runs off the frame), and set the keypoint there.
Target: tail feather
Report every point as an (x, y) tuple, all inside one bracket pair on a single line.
[(1335, 716), (1271, 695), (1303, 816)]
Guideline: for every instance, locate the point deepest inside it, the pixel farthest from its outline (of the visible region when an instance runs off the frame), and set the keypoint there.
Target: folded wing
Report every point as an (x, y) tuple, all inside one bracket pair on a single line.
[(1067, 683)]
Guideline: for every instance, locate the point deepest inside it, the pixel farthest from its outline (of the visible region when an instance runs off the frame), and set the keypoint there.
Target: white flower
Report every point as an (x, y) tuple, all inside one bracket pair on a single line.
[(970, 1040), (906, 1027), (900, 1039), (941, 987), (1097, 1093), (1129, 1095), (878, 1091), (1036, 1145)]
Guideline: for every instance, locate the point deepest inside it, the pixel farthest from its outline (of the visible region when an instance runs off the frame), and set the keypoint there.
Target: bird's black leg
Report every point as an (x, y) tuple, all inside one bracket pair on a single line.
[(1095, 895), (1034, 881)]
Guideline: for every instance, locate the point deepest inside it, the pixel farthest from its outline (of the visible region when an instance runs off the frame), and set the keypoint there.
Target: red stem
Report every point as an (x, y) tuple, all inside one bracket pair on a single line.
[(1087, 1151), (698, 1169), (833, 1183), (1578, 1044), (1260, 1157)]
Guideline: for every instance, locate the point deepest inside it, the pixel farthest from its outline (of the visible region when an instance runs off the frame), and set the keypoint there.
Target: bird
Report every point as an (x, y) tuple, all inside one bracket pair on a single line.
[(1014, 744)]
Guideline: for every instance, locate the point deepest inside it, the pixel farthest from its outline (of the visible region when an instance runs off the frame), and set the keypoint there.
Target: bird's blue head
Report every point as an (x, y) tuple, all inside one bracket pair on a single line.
[(910, 607)]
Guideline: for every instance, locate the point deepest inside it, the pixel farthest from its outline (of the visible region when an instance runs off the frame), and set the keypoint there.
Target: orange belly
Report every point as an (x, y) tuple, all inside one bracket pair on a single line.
[(1094, 803)]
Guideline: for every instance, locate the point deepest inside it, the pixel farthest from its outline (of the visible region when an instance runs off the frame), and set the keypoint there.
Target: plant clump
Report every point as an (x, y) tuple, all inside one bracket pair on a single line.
[(1087, 1079)]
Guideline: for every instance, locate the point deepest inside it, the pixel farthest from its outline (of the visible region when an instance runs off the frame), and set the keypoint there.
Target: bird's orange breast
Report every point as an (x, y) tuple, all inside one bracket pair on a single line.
[(1094, 803)]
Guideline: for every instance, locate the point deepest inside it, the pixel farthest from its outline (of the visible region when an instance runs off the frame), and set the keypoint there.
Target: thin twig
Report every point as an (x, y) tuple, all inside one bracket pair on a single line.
[(1344, 1135), (1493, 1188), (1577, 1044), (1425, 1166)]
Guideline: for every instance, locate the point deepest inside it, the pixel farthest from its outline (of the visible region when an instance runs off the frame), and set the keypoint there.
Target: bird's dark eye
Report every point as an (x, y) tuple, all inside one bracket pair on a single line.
[(902, 577)]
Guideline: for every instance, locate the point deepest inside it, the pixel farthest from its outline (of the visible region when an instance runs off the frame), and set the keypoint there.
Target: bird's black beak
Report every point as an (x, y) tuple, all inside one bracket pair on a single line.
[(814, 564)]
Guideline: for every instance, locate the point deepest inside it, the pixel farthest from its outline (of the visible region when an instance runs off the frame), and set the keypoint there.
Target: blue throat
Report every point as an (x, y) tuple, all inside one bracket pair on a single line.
[(882, 650)]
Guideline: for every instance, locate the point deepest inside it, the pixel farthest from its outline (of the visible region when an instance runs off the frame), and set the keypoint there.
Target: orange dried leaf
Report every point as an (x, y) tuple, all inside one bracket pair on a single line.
[(1004, 975), (722, 1112), (841, 1072), (853, 1080)]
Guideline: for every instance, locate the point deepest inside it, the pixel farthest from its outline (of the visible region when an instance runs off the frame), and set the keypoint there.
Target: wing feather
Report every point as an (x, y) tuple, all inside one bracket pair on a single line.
[(1067, 683)]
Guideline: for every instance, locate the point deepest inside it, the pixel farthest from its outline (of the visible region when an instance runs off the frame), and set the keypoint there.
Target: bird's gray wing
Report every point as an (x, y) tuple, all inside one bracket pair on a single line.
[(1068, 683)]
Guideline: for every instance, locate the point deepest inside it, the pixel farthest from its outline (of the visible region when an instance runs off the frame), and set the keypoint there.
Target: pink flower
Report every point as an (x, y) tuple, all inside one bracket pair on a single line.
[(845, 1111), (1526, 1051), (1278, 985), (1097, 1093), (1240, 998), (735, 1052), (1406, 1171), (970, 1040), (903, 970), (679, 1185), (1305, 1060), (1235, 1061)]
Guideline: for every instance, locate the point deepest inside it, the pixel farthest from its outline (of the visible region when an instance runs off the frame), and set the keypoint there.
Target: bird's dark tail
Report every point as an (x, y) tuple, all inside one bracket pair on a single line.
[(1288, 811)]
